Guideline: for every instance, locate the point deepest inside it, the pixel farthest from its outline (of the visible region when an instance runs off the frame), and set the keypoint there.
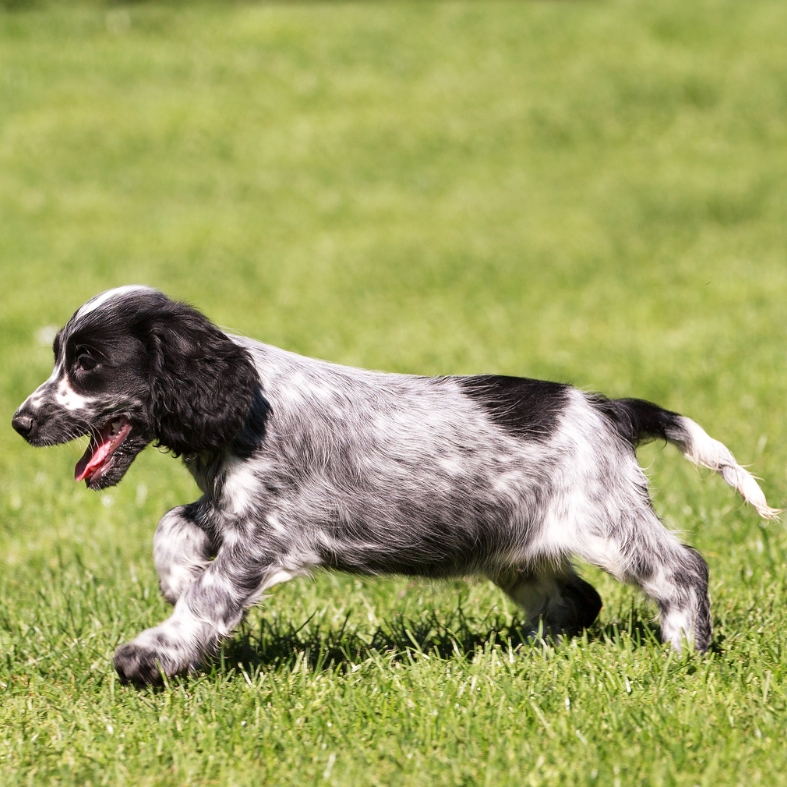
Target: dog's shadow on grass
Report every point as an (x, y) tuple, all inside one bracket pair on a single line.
[(272, 645)]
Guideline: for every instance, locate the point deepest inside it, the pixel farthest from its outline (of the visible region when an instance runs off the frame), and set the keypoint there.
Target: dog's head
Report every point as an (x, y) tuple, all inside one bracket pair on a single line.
[(134, 367)]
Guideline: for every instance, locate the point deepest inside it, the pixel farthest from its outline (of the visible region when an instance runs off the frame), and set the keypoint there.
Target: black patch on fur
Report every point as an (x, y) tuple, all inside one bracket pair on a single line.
[(527, 408), (580, 605), (251, 436), (638, 421), (697, 576)]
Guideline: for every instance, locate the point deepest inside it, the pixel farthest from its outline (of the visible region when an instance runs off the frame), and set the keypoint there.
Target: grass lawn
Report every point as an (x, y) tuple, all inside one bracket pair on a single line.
[(591, 192)]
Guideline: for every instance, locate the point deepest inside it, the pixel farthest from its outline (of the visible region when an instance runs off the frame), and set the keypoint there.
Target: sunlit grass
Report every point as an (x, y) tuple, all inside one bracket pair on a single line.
[(589, 192)]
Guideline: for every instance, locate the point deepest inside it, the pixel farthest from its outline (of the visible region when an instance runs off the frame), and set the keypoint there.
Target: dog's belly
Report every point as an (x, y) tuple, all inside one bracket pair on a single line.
[(433, 535), (439, 555)]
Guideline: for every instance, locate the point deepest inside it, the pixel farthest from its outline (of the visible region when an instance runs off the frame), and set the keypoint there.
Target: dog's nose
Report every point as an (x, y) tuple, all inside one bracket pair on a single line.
[(23, 424)]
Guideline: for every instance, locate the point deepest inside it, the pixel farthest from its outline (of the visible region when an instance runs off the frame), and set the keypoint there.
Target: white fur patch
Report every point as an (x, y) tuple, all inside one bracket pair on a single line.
[(69, 399), (703, 450), (240, 482), (677, 625), (276, 525), (102, 298), (282, 575)]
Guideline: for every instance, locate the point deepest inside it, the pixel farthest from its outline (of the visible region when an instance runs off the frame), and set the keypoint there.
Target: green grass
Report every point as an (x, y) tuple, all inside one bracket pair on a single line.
[(591, 192)]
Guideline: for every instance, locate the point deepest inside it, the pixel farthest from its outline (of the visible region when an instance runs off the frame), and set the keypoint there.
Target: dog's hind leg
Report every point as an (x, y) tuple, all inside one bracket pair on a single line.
[(674, 575), (556, 600), (680, 588), (181, 552)]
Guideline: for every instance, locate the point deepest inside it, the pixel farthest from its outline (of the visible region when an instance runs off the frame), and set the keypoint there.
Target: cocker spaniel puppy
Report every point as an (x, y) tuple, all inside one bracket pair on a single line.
[(304, 464)]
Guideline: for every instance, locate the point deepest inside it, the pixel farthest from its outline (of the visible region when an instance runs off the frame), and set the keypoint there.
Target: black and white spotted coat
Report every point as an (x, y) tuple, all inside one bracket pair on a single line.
[(304, 464)]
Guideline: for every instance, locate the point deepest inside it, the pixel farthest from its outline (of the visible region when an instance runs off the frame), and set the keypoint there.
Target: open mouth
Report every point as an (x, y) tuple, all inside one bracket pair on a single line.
[(97, 458)]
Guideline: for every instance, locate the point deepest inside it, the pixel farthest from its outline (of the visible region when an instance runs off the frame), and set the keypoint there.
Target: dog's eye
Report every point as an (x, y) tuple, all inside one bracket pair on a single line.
[(85, 362)]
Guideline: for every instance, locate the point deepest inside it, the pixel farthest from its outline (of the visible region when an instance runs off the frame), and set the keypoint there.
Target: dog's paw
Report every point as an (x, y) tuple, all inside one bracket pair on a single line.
[(142, 665)]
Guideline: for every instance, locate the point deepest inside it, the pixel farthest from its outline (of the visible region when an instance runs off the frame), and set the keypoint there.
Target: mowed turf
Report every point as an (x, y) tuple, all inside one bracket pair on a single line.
[(586, 192)]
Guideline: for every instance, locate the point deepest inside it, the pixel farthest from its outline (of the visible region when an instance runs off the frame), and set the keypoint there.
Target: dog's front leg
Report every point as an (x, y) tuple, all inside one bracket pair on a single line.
[(181, 551), (208, 610)]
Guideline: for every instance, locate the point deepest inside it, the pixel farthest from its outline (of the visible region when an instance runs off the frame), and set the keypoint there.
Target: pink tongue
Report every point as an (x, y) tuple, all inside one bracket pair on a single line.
[(92, 458)]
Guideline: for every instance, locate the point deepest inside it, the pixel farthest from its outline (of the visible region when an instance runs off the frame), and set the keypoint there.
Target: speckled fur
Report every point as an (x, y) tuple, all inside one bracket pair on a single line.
[(380, 473)]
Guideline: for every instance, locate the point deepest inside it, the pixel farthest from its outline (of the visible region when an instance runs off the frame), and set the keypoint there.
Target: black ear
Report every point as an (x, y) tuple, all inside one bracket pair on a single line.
[(202, 384)]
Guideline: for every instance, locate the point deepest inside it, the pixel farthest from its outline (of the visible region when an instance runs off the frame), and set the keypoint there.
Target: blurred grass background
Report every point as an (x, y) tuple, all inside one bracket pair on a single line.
[(591, 192)]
